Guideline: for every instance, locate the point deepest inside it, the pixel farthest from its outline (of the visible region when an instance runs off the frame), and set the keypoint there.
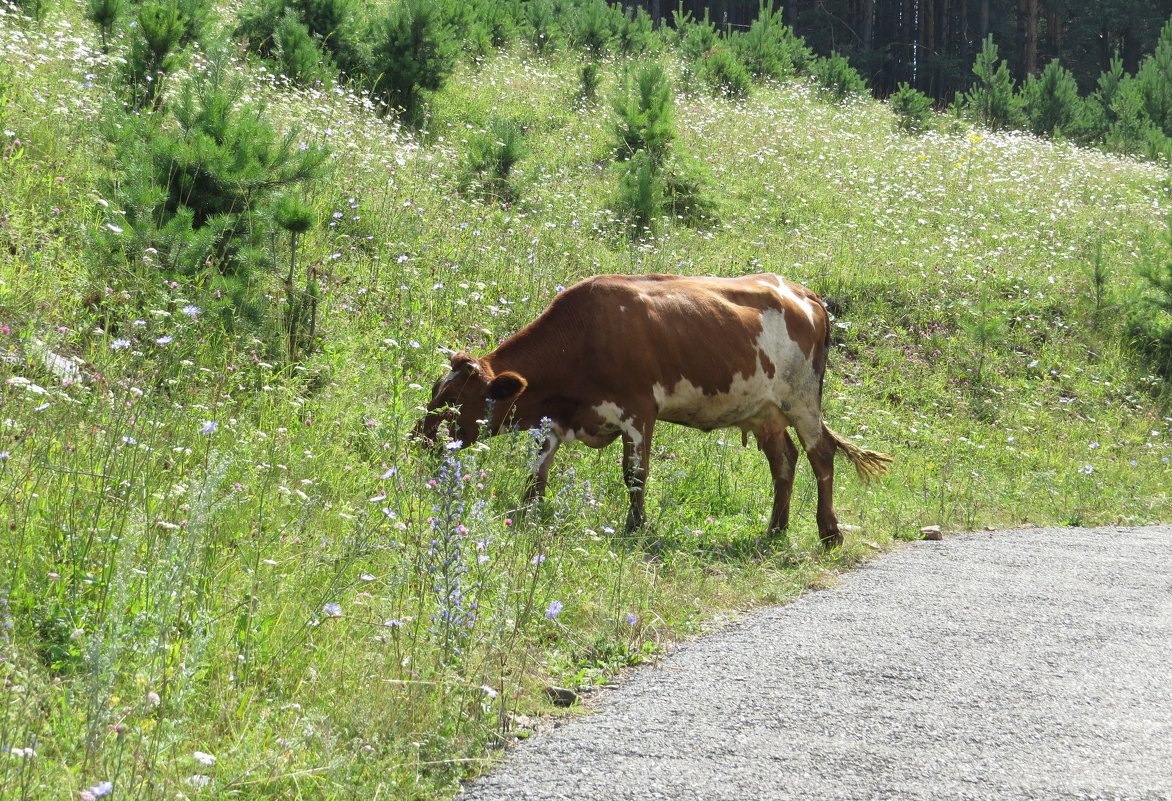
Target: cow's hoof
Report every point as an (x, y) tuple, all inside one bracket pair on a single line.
[(831, 540)]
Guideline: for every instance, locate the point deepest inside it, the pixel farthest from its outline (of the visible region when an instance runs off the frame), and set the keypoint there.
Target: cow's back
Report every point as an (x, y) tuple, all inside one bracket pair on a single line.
[(711, 352)]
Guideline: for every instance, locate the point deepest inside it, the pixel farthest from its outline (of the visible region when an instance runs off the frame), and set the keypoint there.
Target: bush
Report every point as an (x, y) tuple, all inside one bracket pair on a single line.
[(838, 79), (154, 50), (544, 32), (590, 78), (684, 195), (633, 31), (592, 27), (1130, 123), (191, 194), (1052, 103), (414, 51), (33, 9), (490, 159), (644, 116), (769, 49), (257, 24), (653, 179), (103, 14), (912, 109), (991, 99), (329, 23), (641, 192), (1151, 314), (723, 73), (695, 38), (1154, 82), (297, 54)]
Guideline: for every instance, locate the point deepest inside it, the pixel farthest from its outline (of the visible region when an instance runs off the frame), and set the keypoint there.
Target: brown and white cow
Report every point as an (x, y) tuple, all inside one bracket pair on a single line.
[(615, 353)]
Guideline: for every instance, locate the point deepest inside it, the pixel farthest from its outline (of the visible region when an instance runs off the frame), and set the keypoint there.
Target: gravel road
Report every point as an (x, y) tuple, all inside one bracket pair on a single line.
[(1031, 664)]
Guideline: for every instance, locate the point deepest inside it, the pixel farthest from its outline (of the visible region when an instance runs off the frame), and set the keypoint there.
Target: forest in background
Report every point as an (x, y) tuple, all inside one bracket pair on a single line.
[(931, 44)]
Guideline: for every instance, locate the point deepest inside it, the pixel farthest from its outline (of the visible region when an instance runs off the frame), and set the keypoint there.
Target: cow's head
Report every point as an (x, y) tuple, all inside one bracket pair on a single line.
[(461, 399)]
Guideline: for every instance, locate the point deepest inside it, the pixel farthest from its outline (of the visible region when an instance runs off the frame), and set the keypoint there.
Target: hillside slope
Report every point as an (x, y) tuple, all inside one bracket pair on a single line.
[(211, 551)]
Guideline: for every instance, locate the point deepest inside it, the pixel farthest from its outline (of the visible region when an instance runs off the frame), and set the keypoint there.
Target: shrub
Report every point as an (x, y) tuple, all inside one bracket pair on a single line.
[(685, 198), (154, 50), (33, 9), (103, 14), (769, 49), (641, 192), (653, 179), (991, 99), (191, 194), (723, 73), (257, 23), (838, 79), (490, 159), (297, 54), (414, 51), (1130, 122), (590, 77), (912, 109), (465, 20), (593, 29), (295, 217), (1150, 316), (695, 37), (1051, 100), (544, 32), (633, 33), (644, 117), (329, 23), (324, 18), (1154, 82)]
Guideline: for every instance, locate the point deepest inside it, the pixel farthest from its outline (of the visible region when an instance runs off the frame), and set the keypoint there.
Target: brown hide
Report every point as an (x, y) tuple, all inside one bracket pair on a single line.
[(613, 354)]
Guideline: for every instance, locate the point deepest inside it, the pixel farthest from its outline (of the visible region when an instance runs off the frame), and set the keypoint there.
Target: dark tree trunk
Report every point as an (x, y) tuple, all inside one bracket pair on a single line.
[(866, 23)]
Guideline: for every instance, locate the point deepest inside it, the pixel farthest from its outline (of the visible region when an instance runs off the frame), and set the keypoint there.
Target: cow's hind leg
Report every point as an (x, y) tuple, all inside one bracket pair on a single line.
[(636, 453), (820, 448), (774, 441)]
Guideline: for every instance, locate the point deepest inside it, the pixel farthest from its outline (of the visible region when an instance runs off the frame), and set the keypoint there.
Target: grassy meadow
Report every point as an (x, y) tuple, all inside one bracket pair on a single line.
[(226, 575)]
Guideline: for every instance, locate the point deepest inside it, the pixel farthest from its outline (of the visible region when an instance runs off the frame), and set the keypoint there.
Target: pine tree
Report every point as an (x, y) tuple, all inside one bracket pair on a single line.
[(414, 51), (991, 99), (644, 116), (1051, 101)]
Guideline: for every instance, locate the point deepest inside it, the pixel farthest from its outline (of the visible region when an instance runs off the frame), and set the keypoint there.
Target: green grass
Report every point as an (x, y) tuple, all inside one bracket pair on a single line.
[(172, 591)]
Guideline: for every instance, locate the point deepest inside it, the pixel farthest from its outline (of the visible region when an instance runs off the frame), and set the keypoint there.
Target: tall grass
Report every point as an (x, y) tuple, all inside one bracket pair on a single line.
[(229, 576)]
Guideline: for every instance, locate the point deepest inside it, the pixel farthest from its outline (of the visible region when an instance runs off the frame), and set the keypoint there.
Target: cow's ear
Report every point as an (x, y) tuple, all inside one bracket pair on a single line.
[(464, 363), (506, 385)]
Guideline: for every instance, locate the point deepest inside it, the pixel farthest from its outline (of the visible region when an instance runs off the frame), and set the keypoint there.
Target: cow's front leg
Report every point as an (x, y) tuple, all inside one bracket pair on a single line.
[(636, 454), (535, 485)]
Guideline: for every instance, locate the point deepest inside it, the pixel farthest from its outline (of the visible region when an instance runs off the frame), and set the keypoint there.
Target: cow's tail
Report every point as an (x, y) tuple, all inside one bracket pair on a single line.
[(869, 464)]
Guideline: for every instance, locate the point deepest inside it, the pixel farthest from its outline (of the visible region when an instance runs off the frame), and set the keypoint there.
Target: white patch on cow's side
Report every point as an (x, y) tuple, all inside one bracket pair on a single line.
[(615, 418), (548, 448), (622, 308), (789, 397), (786, 293)]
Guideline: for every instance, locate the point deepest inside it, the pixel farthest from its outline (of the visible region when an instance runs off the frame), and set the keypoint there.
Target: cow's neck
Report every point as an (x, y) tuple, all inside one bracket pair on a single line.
[(548, 362)]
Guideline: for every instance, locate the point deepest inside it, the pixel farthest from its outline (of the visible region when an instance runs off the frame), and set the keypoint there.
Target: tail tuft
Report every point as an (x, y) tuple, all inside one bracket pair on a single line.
[(869, 464)]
